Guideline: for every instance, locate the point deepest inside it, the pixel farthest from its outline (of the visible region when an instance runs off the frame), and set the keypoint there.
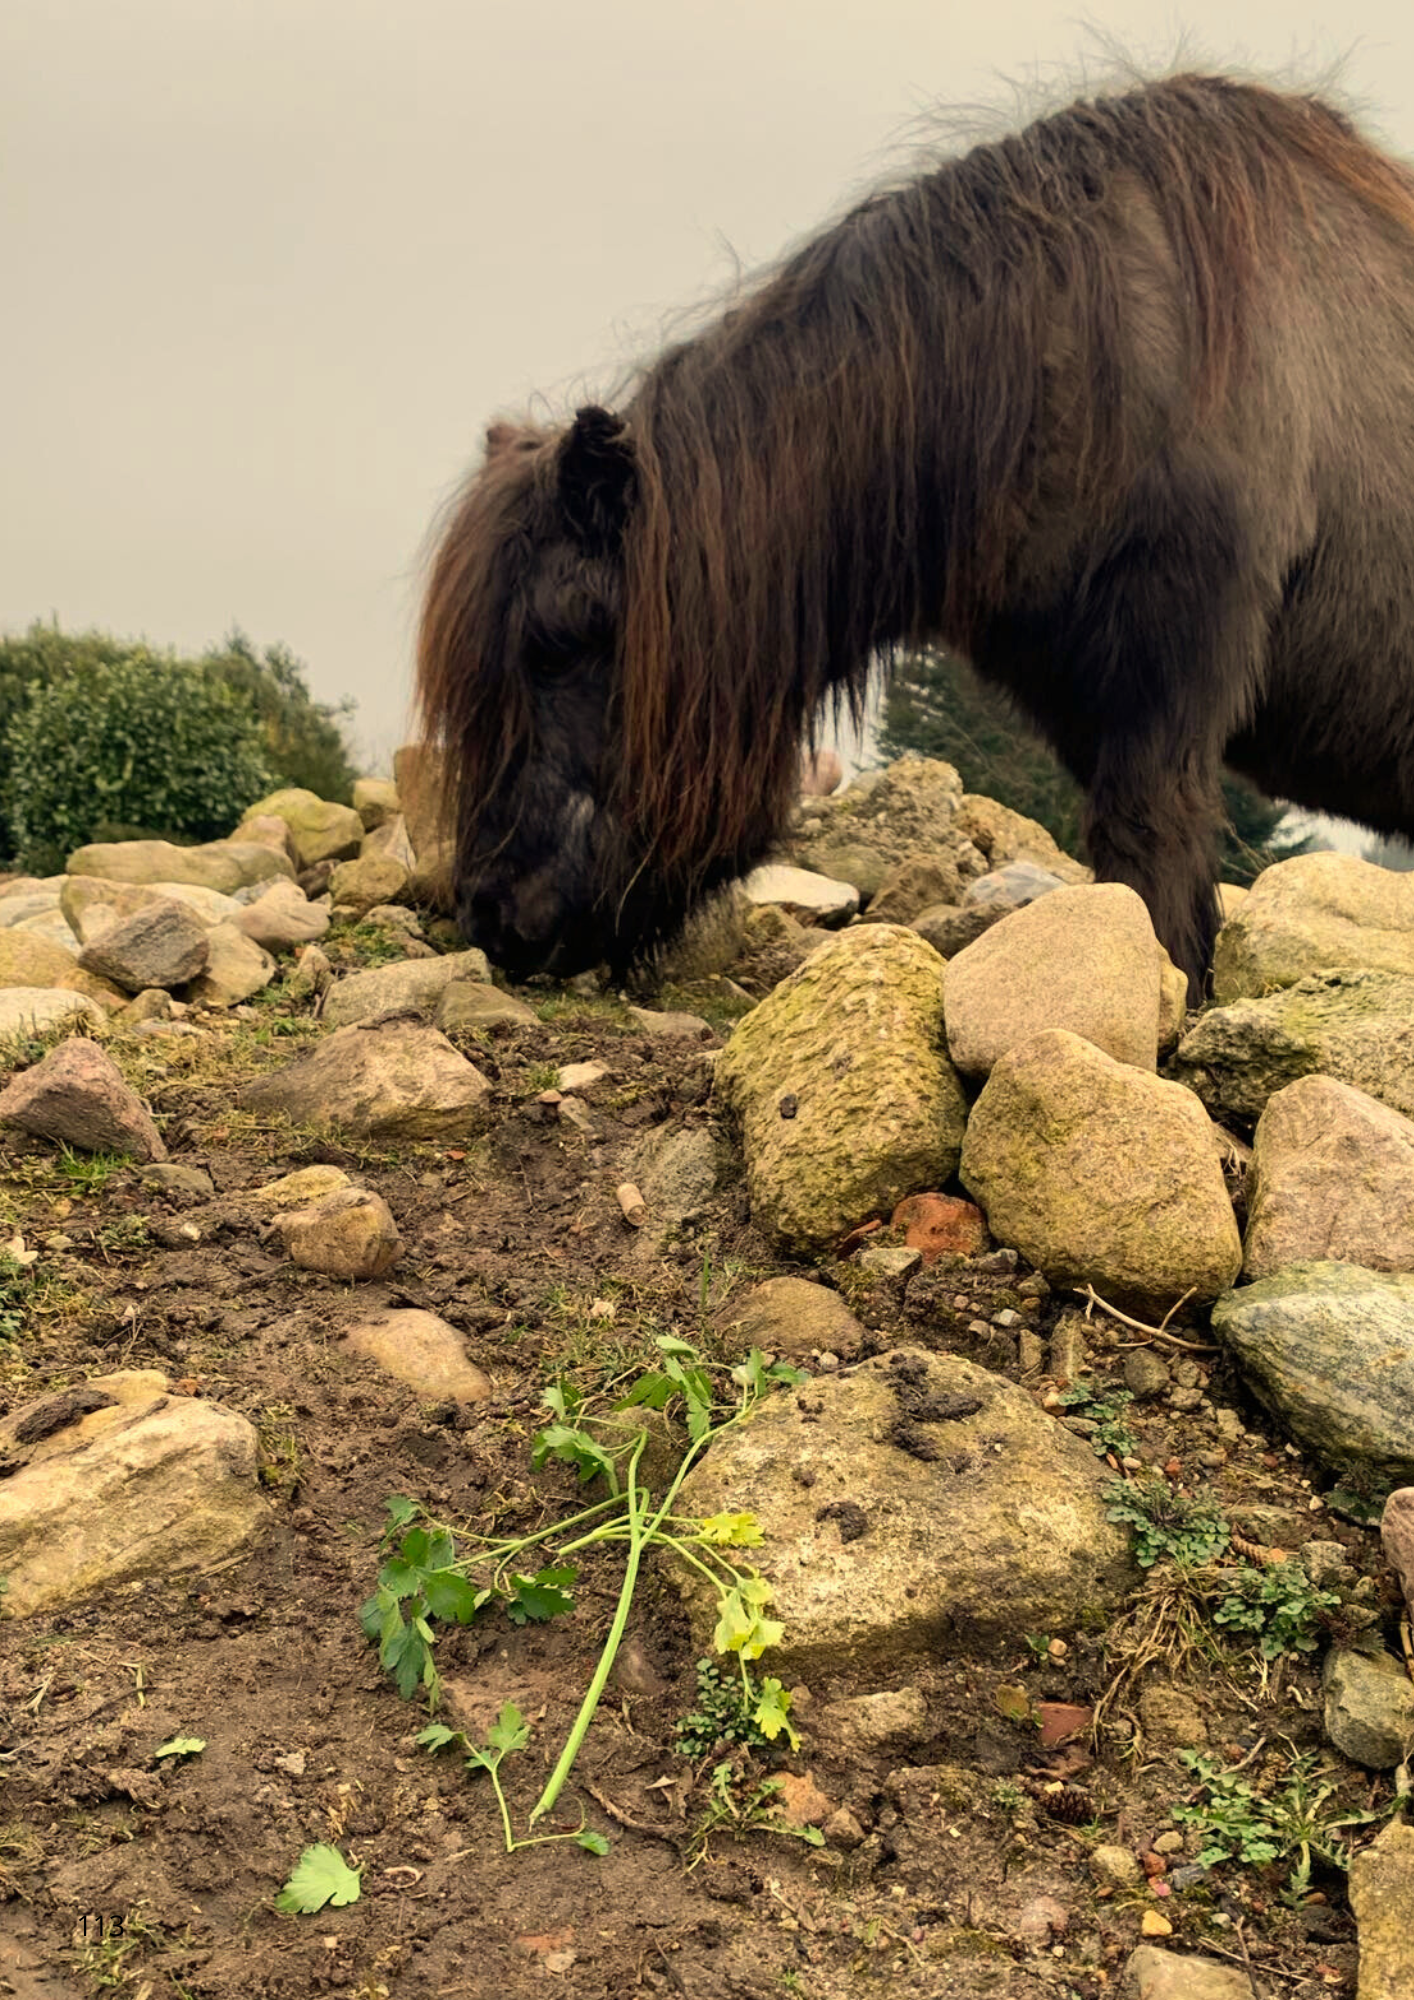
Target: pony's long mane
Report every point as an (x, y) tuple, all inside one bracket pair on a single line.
[(849, 458)]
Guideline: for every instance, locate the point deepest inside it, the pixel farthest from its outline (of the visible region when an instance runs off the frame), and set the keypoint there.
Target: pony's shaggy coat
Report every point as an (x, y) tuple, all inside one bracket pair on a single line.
[(1121, 408)]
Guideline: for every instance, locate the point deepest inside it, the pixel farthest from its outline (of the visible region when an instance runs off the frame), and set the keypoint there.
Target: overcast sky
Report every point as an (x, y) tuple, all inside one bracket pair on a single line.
[(270, 265)]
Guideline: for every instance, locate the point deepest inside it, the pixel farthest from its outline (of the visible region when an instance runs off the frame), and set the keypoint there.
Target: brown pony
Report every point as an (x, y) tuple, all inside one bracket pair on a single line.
[(1122, 409)]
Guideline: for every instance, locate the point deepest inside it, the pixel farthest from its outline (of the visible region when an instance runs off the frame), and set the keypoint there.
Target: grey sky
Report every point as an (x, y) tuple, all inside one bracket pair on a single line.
[(270, 265)]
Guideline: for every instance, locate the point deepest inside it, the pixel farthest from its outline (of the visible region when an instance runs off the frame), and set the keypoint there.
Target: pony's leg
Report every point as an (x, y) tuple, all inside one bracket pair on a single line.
[(1151, 821), (1166, 650)]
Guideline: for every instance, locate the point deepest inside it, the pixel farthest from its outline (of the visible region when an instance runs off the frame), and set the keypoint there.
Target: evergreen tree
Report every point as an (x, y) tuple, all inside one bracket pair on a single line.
[(936, 705)]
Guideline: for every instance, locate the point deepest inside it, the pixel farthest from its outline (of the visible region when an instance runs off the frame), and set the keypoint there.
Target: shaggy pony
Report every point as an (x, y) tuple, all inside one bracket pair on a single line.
[(1120, 408)]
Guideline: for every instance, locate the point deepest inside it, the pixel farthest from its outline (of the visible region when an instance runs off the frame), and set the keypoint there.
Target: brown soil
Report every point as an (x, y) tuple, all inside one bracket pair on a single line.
[(119, 1874)]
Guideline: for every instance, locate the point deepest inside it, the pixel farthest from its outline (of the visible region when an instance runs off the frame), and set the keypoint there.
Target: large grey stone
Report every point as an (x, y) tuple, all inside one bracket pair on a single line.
[(281, 918), (1082, 958), (1330, 1347), (1369, 1710), (226, 865), (802, 893), (469, 1007), (76, 1095), (1331, 1176), (137, 1484), (1100, 1173), (845, 1099), (1397, 1540), (923, 1507), (413, 987), (400, 1082), (1355, 1026), (163, 945), (1315, 913), (916, 883)]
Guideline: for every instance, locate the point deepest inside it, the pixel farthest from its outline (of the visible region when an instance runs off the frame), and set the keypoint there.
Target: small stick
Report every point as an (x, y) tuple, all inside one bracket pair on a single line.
[(1092, 1298), (633, 1825)]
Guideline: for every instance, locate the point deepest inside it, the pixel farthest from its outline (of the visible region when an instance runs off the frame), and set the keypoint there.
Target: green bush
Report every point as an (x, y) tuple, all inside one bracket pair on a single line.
[(304, 739), (144, 740), (301, 741)]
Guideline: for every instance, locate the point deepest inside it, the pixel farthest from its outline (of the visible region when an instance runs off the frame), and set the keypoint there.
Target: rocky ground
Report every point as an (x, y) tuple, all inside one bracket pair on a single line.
[(1086, 1646)]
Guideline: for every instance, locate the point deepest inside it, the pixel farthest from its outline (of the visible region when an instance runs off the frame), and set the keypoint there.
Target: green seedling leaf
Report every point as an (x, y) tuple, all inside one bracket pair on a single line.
[(401, 1578), (652, 1391), (540, 1597), (732, 1531), (772, 1713), (590, 1841), (321, 1876), (564, 1401), (405, 1654), (181, 1746), (436, 1736), (576, 1448), (452, 1599), (741, 1628), (400, 1510), (675, 1348), (510, 1731)]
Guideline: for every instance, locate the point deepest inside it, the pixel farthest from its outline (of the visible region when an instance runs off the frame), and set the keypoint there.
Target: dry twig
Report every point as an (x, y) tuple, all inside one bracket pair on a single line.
[(1160, 1332)]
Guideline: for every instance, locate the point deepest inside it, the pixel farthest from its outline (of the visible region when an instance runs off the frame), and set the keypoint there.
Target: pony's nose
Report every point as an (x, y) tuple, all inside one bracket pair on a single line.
[(486, 922)]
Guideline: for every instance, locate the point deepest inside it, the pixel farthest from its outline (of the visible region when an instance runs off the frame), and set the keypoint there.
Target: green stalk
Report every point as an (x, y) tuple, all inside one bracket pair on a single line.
[(596, 1687)]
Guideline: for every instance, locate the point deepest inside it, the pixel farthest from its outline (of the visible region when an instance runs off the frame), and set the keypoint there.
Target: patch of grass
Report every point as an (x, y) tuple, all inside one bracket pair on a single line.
[(567, 1009), (361, 946), (281, 1463), (88, 1173)]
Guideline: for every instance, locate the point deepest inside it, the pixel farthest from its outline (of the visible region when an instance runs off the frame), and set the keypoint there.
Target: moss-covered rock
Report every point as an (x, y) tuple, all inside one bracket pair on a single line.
[(1330, 1347), (1101, 1174), (920, 1507), (844, 1096), (1315, 913), (1355, 1026)]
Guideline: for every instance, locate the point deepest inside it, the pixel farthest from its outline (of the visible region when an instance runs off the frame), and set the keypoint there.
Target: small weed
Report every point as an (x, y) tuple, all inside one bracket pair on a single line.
[(737, 1804), (281, 1464), (430, 1578), (1278, 1605), (1187, 1529), (1007, 1796), (536, 1077), (507, 1735), (722, 1716), (1291, 1822), (1103, 1415), (124, 1237)]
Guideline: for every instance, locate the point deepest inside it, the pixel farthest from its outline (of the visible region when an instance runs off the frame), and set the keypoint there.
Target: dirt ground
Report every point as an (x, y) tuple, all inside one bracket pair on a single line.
[(122, 1874)]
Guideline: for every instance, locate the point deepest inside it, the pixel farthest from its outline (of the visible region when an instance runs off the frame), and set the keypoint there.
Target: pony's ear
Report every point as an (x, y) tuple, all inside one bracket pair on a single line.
[(596, 478)]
